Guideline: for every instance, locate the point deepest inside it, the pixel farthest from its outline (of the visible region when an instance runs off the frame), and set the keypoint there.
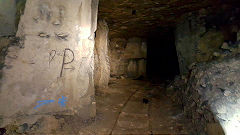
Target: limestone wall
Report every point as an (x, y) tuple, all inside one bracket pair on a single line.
[(51, 72), (102, 67), (128, 57), (197, 42)]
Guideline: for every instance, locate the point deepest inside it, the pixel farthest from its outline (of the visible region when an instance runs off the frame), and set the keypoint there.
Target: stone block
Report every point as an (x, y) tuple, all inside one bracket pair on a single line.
[(52, 73)]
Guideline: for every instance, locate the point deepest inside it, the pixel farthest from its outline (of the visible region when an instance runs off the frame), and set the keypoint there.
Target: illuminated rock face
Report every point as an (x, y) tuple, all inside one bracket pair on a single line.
[(52, 70), (102, 67), (213, 95)]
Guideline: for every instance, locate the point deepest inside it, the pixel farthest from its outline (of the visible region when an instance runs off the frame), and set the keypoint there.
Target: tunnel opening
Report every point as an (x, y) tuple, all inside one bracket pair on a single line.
[(162, 60)]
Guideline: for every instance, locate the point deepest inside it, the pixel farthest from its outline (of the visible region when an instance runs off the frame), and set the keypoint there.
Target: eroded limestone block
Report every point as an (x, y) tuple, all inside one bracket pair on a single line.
[(102, 66), (52, 72), (208, 44), (128, 58), (116, 56), (135, 49)]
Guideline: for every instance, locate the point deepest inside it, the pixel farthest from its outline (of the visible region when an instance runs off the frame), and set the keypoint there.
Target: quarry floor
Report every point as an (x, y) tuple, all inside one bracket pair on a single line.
[(125, 107), (136, 107)]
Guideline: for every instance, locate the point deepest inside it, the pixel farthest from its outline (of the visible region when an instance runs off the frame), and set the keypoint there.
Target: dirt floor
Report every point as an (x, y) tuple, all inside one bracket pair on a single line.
[(136, 107), (125, 107)]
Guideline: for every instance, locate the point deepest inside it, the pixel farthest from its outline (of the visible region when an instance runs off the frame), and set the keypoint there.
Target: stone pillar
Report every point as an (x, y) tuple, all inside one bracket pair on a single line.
[(7, 17), (51, 72), (102, 67)]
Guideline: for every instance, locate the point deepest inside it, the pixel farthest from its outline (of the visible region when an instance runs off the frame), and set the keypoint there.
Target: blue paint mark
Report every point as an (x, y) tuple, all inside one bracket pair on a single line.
[(62, 101), (43, 102)]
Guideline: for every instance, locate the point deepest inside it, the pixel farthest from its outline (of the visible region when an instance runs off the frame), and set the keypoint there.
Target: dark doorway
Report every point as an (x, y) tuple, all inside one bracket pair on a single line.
[(162, 61)]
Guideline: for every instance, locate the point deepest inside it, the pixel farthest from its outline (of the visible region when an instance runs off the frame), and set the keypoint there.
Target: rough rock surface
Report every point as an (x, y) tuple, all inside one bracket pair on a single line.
[(116, 51), (102, 66), (186, 40), (203, 38), (135, 49), (129, 18), (51, 72), (215, 87), (7, 17), (128, 58), (210, 97)]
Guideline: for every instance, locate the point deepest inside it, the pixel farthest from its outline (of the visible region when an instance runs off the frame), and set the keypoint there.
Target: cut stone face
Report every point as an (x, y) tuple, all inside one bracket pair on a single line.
[(52, 73)]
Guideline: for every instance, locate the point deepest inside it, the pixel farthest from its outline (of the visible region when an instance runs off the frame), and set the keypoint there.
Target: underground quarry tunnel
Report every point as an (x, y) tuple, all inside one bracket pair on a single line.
[(144, 67)]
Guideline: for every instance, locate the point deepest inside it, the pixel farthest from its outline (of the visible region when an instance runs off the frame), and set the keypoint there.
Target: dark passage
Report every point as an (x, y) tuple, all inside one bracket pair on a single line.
[(162, 61)]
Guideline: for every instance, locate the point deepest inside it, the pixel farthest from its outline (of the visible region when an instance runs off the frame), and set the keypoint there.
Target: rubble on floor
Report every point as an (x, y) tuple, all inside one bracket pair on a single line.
[(210, 96)]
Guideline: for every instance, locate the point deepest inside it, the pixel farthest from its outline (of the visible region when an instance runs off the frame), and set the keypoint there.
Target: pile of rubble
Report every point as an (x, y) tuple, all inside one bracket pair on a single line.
[(210, 95), (227, 49)]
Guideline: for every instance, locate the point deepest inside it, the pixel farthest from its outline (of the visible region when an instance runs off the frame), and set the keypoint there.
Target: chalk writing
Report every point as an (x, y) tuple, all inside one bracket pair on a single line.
[(43, 102), (61, 101), (64, 60)]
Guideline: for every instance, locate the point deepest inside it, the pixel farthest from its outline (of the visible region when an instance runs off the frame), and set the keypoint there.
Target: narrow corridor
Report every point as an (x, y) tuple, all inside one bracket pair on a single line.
[(136, 107)]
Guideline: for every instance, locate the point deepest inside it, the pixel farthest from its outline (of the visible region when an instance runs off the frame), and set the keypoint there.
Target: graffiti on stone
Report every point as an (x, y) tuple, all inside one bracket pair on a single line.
[(67, 58), (64, 59), (43, 102), (51, 56), (61, 101)]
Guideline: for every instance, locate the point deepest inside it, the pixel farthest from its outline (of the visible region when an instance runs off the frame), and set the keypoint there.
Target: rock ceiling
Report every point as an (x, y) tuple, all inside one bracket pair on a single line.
[(128, 18)]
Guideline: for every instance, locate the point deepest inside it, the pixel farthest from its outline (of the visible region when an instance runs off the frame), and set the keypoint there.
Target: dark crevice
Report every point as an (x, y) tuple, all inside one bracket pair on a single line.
[(162, 61)]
